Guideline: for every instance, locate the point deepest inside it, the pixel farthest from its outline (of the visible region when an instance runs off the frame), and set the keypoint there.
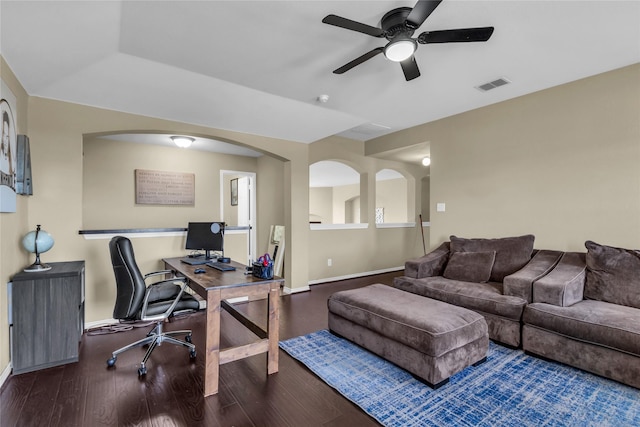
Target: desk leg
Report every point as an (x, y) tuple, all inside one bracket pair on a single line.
[(212, 354), (273, 328)]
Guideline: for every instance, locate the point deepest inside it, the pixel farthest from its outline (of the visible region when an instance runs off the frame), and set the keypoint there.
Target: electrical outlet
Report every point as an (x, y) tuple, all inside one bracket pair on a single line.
[(329, 262)]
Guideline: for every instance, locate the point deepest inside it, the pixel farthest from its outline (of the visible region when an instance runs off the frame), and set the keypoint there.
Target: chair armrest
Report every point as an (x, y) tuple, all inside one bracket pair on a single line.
[(157, 286), (520, 283), (564, 286), (431, 264), (157, 273)]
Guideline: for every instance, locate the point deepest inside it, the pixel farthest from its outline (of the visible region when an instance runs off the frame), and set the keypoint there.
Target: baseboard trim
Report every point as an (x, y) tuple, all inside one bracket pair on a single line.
[(289, 291), (5, 375), (355, 275), (99, 323)]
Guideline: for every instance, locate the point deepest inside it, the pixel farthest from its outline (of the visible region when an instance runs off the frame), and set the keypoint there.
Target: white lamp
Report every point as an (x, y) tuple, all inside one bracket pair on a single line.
[(426, 161), (182, 141), (399, 50)]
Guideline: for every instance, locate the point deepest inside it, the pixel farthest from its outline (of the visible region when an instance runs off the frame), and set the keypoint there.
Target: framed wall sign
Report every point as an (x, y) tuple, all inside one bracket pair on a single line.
[(164, 188)]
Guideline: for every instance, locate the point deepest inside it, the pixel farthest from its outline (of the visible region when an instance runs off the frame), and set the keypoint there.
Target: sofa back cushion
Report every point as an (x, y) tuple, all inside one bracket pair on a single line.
[(470, 266), (512, 253), (613, 274)]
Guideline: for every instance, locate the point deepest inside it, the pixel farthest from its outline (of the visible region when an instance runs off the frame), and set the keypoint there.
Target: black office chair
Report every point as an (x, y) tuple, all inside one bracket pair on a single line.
[(156, 302)]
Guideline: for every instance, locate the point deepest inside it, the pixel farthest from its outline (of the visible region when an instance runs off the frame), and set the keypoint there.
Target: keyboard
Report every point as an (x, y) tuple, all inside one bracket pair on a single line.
[(195, 261), (221, 266)]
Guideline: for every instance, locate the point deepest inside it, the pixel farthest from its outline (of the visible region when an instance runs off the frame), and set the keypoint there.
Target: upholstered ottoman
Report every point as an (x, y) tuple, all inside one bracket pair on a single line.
[(431, 339)]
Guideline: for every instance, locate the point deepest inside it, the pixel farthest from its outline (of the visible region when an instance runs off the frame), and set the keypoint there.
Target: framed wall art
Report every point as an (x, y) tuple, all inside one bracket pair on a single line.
[(8, 152)]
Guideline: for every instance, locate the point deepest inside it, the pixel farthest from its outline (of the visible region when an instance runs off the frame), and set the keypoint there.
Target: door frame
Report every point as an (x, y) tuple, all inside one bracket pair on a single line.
[(251, 255)]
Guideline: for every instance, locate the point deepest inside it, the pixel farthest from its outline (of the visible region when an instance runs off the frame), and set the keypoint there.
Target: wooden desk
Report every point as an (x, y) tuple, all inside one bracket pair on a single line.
[(215, 287)]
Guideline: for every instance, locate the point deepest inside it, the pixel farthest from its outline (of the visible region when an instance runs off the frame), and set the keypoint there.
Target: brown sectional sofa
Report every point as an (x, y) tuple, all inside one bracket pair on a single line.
[(500, 293), (581, 309), (586, 313)]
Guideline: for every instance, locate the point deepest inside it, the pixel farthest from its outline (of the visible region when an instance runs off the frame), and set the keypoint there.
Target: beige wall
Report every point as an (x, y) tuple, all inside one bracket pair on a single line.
[(321, 204), (426, 197), (270, 199), (331, 205), (13, 226), (391, 194), (109, 185), (346, 204), (363, 249), (562, 164)]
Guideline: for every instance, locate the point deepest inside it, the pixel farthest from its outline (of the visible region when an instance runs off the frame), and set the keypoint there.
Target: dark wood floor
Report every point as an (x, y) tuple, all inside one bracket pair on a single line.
[(88, 394)]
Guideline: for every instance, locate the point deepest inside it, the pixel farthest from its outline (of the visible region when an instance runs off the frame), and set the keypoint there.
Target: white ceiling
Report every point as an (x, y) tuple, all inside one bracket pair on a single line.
[(259, 66)]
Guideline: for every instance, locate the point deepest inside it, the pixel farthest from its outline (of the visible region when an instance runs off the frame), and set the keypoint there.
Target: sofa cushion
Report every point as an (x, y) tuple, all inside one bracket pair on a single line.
[(470, 266), (512, 253), (613, 274), (610, 325), (480, 297), (564, 285)]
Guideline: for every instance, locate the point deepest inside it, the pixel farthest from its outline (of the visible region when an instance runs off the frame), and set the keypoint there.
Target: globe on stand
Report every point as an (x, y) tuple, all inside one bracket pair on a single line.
[(37, 242)]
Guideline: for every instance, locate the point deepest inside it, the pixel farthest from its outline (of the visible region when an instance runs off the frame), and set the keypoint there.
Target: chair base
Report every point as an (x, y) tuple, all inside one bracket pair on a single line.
[(154, 338)]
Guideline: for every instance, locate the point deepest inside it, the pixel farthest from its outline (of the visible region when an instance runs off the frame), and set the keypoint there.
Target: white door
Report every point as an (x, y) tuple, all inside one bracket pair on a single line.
[(242, 212)]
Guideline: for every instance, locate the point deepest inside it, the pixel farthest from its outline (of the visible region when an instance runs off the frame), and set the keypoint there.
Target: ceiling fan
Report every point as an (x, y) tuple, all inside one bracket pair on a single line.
[(398, 26)]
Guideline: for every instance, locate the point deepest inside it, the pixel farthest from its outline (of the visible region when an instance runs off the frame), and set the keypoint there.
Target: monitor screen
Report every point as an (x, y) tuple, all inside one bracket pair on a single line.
[(205, 236)]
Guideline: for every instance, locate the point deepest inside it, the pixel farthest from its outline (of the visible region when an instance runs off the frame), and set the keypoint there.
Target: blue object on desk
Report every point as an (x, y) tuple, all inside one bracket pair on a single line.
[(199, 270)]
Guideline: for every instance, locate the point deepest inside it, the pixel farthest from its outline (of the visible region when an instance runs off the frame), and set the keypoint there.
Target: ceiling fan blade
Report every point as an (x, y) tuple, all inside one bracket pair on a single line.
[(341, 22), (421, 12), (410, 68), (481, 34), (359, 60)]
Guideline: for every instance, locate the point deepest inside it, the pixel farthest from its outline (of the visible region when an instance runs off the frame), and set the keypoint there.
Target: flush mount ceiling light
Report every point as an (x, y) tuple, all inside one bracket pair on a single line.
[(182, 141), (426, 161), (399, 50)]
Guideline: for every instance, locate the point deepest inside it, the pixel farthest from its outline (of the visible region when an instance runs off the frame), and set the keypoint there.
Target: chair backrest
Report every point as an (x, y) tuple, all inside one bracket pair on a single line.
[(129, 281)]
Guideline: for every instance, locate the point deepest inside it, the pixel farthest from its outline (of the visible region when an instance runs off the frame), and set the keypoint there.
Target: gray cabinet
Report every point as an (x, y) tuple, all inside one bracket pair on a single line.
[(47, 313)]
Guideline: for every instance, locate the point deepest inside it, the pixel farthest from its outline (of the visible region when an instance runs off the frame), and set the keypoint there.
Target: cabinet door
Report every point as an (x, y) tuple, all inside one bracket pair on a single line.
[(45, 322)]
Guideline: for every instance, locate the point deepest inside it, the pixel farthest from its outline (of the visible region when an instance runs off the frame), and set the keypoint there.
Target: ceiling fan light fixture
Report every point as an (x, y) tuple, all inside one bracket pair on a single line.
[(399, 50), (182, 141)]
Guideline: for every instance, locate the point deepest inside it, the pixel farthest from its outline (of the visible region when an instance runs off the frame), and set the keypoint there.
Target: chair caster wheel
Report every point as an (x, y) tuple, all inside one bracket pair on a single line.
[(142, 371), (192, 354), (112, 362), (188, 338)]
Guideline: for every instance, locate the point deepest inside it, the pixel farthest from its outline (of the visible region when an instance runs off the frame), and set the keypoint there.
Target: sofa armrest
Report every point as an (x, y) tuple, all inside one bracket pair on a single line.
[(520, 283), (564, 286), (431, 264)]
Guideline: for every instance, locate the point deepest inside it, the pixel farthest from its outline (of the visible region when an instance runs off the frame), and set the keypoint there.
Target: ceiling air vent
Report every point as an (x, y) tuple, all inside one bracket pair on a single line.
[(365, 131), (494, 84)]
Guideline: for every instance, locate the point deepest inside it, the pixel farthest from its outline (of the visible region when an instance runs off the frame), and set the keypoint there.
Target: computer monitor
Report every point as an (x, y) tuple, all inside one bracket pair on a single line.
[(205, 236)]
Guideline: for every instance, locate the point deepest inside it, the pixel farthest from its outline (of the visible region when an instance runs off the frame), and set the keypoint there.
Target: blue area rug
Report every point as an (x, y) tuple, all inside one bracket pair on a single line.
[(509, 389)]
